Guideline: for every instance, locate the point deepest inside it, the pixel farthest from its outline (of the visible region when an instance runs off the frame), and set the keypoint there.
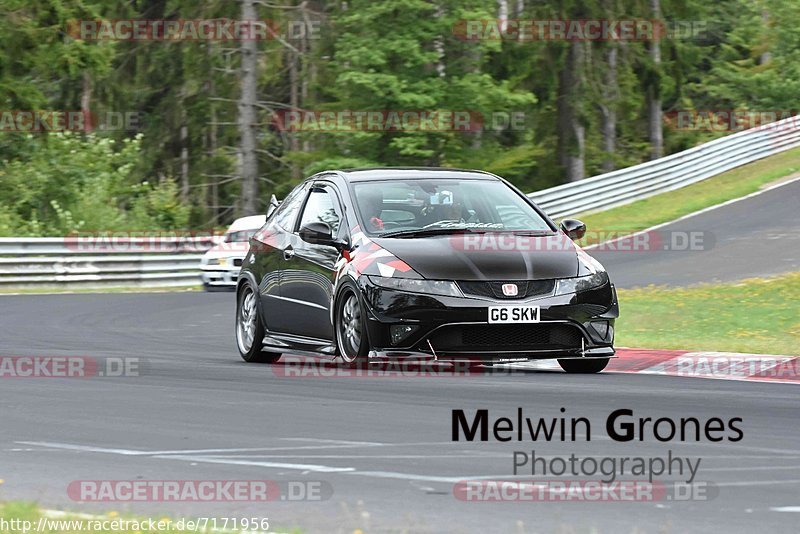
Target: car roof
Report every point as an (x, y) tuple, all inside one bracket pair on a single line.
[(413, 173), (253, 222)]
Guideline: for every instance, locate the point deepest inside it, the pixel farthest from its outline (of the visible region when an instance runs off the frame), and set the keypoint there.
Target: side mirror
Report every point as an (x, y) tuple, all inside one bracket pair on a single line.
[(319, 233), (574, 228), (316, 233)]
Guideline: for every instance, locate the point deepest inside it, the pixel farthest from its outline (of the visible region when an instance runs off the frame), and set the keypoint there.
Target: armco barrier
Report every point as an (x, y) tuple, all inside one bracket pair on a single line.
[(72, 262), (75, 262), (668, 173)]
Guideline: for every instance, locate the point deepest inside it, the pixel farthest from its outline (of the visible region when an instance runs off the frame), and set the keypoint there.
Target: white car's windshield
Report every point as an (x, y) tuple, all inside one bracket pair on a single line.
[(240, 236), (408, 206)]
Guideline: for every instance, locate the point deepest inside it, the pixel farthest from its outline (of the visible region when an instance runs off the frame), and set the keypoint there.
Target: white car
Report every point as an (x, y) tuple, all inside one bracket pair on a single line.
[(221, 264)]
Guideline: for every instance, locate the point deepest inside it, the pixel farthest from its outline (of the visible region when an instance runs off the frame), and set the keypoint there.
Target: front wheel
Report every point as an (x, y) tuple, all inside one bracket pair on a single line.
[(249, 330), (587, 366), (351, 331)]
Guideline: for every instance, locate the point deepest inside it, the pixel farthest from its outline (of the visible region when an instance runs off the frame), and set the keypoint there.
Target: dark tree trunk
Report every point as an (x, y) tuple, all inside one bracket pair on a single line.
[(184, 142), (294, 103), (608, 107), (653, 94), (571, 129), (211, 143), (248, 158)]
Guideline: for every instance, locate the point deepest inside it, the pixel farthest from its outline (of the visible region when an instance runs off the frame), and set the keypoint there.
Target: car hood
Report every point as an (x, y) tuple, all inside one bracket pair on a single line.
[(488, 256)]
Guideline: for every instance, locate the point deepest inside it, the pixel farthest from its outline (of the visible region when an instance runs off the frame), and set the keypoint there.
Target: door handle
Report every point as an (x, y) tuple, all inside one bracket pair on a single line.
[(288, 253)]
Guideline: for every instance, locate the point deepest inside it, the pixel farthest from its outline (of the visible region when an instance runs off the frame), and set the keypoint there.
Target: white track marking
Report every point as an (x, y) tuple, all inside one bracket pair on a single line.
[(746, 483), (85, 448), (785, 509), (411, 476), (751, 379), (746, 456), (366, 456), (277, 465), (693, 214), (755, 468), (335, 441), (132, 452), (346, 470), (260, 449)]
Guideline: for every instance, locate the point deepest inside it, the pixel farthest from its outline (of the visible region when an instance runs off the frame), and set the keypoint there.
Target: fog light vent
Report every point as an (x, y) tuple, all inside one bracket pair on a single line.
[(602, 330), (399, 332)]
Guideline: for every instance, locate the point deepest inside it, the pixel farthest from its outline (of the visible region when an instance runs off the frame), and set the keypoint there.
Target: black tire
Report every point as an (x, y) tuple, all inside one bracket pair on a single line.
[(249, 330), (350, 329), (587, 366)]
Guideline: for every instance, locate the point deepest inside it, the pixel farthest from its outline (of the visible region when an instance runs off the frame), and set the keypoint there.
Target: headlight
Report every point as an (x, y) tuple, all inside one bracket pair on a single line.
[(428, 287), (580, 283)]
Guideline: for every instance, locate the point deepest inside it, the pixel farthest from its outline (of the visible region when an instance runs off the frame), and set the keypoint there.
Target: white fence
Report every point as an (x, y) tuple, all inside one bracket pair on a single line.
[(173, 261), (668, 173)]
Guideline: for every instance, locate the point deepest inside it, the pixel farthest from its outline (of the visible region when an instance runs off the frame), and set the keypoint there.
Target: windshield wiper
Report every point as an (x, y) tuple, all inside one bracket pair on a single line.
[(421, 232), (530, 232)]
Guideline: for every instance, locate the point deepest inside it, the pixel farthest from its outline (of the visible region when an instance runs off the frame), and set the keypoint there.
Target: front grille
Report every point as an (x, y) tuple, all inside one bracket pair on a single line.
[(539, 336), (525, 288)]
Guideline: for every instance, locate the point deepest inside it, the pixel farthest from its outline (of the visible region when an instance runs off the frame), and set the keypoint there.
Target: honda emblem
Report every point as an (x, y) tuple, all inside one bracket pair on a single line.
[(510, 290)]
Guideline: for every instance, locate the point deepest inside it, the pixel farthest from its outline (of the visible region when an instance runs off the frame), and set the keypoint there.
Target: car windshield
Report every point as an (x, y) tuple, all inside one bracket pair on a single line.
[(240, 236), (400, 207)]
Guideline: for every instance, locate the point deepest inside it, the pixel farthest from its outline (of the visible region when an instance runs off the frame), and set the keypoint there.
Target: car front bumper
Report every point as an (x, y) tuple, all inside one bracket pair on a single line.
[(576, 325), (216, 275)]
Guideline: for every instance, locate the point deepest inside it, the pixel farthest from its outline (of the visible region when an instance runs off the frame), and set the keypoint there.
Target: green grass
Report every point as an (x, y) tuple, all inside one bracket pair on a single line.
[(669, 206), (20, 512), (31, 513), (758, 315)]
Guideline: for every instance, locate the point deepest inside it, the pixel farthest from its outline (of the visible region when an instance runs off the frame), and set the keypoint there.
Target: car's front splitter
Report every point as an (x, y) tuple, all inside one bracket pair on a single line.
[(456, 328)]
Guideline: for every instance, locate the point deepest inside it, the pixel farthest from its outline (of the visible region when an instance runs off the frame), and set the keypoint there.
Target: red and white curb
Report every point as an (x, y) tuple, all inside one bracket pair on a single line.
[(714, 365), (683, 363)]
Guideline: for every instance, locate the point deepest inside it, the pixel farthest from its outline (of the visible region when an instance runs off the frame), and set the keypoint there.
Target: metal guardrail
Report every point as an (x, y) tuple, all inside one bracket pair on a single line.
[(672, 172), (101, 261), (74, 262)]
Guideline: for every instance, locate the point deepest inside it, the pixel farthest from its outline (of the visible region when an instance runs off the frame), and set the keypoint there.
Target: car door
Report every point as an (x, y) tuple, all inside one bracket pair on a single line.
[(269, 246), (307, 280)]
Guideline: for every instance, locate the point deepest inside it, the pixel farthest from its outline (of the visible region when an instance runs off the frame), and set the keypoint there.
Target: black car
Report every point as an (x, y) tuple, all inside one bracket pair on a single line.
[(443, 263)]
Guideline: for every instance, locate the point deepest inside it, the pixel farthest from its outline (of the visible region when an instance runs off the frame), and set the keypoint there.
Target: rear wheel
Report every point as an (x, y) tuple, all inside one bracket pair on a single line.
[(351, 331), (249, 330), (586, 366)]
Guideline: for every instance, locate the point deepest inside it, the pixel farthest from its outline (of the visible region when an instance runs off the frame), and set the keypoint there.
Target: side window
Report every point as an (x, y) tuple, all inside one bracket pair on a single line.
[(286, 213), (322, 206)]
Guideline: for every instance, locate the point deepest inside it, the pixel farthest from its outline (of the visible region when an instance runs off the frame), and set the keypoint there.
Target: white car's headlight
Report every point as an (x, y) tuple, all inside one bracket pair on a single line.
[(565, 286), (429, 287)]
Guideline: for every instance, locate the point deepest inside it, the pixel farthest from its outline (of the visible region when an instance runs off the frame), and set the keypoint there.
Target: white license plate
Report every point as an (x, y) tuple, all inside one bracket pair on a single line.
[(513, 314)]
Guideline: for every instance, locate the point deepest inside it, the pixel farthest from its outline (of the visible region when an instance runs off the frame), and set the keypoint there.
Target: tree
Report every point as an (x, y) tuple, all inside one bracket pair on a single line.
[(247, 157), (655, 121)]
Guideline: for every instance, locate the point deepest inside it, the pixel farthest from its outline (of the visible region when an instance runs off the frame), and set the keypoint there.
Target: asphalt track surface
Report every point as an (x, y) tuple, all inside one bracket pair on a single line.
[(757, 236), (382, 443)]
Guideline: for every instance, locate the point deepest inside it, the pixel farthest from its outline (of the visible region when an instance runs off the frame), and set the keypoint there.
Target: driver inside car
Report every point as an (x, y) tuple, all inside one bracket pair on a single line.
[(373, 209), (444, 207)]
